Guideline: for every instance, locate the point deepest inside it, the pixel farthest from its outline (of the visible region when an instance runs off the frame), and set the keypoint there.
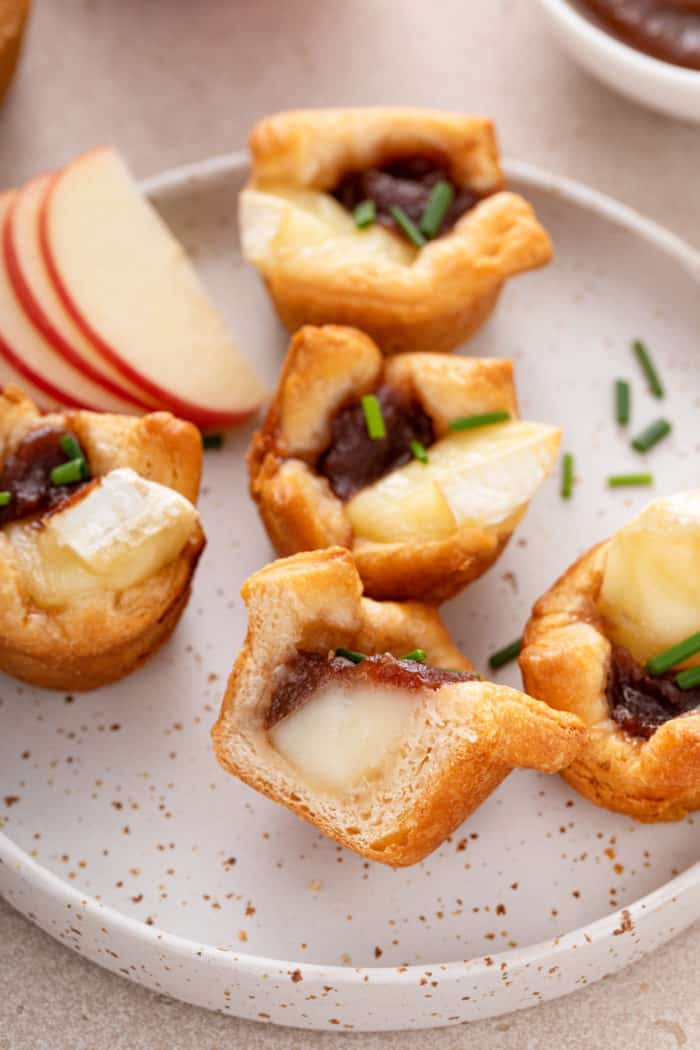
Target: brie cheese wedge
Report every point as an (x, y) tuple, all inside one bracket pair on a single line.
[(122, 531), (650, 594), (485, 477)]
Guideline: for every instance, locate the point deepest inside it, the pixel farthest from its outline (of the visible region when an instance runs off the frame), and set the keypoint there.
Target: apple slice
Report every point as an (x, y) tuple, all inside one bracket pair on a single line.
[(128, 284), (31, 357), (41, 303)]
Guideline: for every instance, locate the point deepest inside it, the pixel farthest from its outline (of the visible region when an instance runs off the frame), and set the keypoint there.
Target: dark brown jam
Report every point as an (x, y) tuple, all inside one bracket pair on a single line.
[(406, 183), (354, 459), (297, 681), (640, 702), (26, 475), (665, 29)]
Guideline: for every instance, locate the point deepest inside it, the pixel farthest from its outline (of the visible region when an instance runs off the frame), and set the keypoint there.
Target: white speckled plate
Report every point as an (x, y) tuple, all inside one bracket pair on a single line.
[(123, 838)]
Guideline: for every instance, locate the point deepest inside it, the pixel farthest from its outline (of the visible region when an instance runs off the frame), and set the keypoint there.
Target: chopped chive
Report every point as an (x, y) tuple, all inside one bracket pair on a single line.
[(647, 366), (622, 401), (419, 655), (67, 473), (688, 679), (434, 213), (374, 420), (70, 446), (506, 654), (408, 226), (567, 475), (651, 436), (350, 654), (618, 481), (5, 498), (419, 451), (212, 441), (472, 422), (365, 214), (675, 655)]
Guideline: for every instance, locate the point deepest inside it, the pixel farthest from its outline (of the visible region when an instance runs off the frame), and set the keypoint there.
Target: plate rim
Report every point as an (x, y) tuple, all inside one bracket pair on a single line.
[(52, 886)]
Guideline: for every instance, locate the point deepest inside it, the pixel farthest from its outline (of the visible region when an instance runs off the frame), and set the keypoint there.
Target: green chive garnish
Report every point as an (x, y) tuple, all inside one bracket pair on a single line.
[(622, 401), (212, 441), (506, 654), (654, 433), (408, 226), (618, 481), (472, 422), (374, 420), (647, 365), (433, 216), (69, 472), (419, 655), (675, 655), (419, 451), (350, 654), (688, 679), (70, 446), (365, 214), (5, 498), (567, 475)]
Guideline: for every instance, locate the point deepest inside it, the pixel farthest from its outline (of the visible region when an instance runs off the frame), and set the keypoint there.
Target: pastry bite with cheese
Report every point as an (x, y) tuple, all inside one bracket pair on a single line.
[(616, 641), (395, 221), (99, 539), (364, 719), (418, 463)]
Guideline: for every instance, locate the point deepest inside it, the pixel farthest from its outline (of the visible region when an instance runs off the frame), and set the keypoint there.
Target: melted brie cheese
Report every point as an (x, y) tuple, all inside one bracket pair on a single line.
[(650, 594), (123, 530), (485, 477), (342, 737), (282, 221)]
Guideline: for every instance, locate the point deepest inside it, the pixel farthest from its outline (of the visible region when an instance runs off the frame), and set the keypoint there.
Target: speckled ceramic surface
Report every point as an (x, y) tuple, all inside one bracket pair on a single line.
[(123, 838)]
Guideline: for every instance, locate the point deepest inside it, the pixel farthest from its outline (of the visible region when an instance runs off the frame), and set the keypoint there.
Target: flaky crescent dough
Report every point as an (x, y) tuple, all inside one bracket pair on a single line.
[(449, 290), (468, 737), (324, 369), (101, 639), (564, 662)]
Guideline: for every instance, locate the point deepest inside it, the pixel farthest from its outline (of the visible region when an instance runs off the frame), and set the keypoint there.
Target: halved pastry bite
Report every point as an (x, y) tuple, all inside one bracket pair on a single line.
[(364, 719), (392, 220), (617, 641), (418, 463), (99, 539)]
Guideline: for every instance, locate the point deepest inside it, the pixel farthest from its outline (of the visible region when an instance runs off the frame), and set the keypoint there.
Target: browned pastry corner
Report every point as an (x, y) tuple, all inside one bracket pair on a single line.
[(320, 268), (447, 739), (13, 16), (102, 636), (300, 500), (566, 662)]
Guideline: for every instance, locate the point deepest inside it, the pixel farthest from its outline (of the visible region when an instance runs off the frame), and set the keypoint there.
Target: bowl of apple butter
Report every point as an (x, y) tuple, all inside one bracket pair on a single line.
[(648, 50)]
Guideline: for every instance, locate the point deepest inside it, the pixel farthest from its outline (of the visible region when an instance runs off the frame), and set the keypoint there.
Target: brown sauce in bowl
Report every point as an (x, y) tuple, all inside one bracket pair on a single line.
[(665, 29)]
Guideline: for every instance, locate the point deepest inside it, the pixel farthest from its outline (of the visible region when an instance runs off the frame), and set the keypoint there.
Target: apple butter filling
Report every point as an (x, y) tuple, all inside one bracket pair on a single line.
[(666, 29), (640, 702), (38, 476), (355, 460), (407, 183), (341, 720), (307, 673)]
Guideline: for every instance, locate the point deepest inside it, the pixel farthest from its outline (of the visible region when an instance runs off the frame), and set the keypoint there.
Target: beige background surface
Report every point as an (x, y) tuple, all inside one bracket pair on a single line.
[(171, 81)]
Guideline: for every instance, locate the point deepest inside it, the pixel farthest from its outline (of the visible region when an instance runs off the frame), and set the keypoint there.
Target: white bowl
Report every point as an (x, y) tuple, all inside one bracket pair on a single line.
[(660, 85)]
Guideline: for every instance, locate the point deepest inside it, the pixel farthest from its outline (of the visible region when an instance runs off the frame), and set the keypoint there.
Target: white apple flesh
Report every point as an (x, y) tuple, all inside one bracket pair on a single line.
[(33, 359), (128, 284), (40, 302)]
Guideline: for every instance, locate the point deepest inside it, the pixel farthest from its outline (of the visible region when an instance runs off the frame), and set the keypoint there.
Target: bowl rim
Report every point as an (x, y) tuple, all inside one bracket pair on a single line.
[(637, 62)]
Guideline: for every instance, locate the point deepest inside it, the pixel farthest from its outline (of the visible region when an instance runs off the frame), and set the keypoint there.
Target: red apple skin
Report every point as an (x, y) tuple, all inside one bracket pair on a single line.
[(44, 385), (41, 322), (202, 417)]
